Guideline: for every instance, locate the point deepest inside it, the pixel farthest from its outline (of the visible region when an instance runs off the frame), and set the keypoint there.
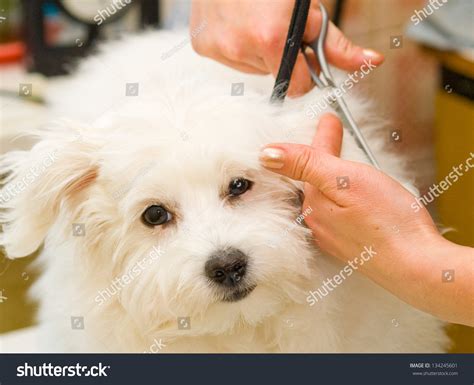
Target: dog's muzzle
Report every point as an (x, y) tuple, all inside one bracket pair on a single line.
[(227, 268)]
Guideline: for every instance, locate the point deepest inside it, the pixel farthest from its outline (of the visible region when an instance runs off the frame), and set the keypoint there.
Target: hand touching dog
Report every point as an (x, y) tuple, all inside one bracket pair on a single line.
[(376, 210)]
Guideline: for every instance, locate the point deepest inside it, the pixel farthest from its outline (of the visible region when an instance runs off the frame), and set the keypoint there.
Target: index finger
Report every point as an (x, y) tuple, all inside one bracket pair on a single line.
[(318, 164)]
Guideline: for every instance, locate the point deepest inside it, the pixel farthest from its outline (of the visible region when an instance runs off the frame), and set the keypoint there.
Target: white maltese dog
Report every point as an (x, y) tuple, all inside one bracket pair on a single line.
[(159, 231)]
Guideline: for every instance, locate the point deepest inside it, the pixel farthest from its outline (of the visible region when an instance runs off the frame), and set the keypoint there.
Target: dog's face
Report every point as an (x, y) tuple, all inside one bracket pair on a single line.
[(175, 225)]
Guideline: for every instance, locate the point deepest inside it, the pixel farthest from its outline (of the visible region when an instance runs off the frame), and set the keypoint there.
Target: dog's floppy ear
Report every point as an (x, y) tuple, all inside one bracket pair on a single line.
[(37, 183)]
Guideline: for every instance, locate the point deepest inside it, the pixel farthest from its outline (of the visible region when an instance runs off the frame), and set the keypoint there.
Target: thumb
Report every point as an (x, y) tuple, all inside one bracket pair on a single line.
[(340, 51), (328, 137), (344, 54)]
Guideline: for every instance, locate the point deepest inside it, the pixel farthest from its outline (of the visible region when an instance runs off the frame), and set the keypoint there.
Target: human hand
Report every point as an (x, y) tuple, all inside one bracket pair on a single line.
[(376, 212), (249, 35), (353, 204)]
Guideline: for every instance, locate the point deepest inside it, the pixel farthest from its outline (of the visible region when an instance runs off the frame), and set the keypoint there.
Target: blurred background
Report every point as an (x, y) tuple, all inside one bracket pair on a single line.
[(425, 87)]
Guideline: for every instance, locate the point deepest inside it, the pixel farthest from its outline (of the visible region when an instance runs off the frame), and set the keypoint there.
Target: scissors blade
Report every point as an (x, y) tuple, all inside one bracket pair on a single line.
[(325, 80), (349, 121)]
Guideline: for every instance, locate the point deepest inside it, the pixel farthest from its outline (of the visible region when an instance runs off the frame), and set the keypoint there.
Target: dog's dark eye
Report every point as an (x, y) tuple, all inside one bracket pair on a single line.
[(156, 215), (238, 186)]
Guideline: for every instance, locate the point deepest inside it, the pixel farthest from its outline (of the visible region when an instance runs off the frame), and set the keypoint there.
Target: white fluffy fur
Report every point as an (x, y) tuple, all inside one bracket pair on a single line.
[(111, 141)]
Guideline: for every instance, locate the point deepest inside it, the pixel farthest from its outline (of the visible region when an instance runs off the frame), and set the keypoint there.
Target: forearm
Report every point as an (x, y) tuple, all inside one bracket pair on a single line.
[(433, 275), (451, 295)]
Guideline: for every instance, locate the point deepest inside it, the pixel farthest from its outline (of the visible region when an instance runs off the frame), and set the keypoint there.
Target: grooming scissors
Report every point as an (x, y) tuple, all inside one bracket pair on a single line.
[(325, 81)]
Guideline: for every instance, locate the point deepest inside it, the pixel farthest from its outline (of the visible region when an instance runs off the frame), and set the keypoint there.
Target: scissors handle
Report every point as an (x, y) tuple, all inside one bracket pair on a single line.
[(325, 79)]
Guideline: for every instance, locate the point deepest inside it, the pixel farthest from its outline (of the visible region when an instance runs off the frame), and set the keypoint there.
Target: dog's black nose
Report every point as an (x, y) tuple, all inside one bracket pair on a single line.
[(227, 267)]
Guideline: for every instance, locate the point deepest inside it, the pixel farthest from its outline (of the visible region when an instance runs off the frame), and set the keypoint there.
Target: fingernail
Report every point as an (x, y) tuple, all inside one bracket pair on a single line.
[(371, 54), (272, 157)]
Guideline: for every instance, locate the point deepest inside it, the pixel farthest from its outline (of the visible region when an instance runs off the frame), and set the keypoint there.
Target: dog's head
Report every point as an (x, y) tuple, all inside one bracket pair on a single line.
[(165, 215)]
